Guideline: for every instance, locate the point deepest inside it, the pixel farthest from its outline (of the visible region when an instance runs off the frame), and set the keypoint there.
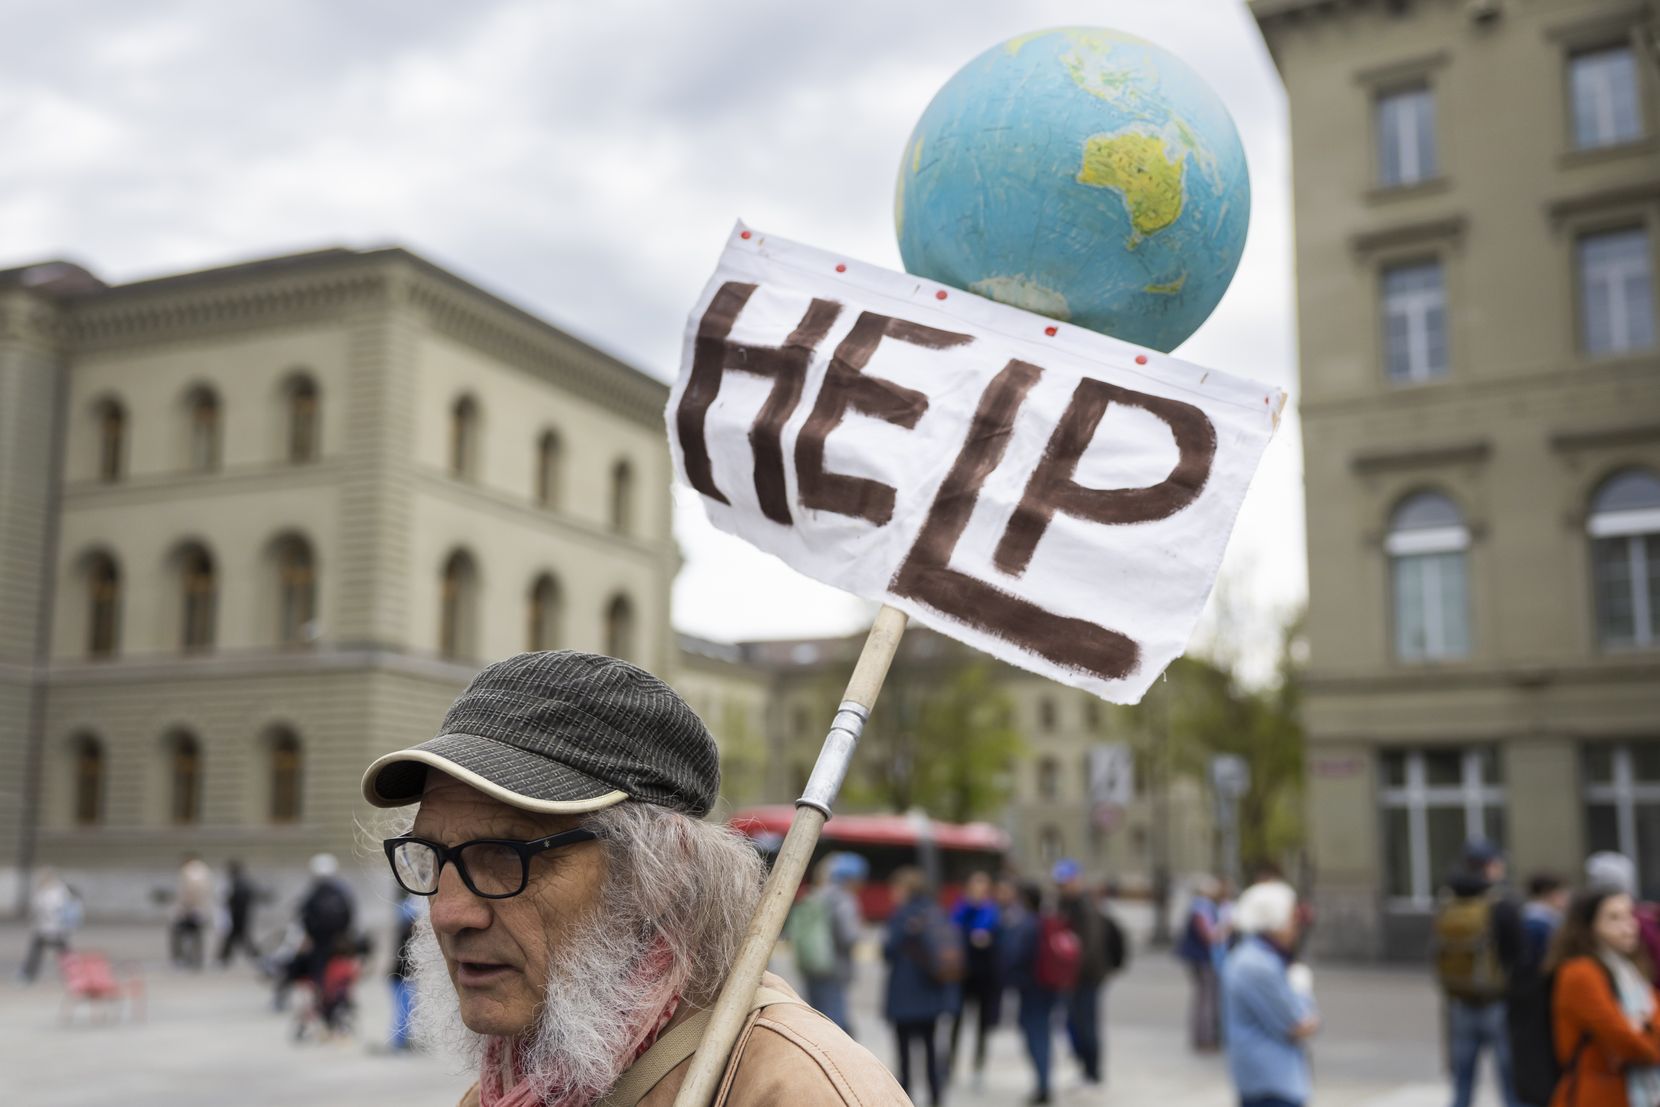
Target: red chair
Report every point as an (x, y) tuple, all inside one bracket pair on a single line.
[(88, 978)]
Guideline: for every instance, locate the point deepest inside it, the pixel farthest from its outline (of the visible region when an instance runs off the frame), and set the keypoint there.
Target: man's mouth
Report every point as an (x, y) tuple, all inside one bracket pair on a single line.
[(480, 974)]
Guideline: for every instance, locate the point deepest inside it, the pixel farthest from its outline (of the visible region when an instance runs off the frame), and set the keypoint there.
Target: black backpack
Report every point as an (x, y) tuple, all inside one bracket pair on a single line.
[(328, 910), (1536, 1070), (1116, 947)]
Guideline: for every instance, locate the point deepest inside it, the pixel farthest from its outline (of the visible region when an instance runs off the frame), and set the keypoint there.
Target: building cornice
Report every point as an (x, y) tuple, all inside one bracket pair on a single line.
[(1591, 438), (1422, 457), (459, 310), (1446, 229), (331, 285), (1636, 667)]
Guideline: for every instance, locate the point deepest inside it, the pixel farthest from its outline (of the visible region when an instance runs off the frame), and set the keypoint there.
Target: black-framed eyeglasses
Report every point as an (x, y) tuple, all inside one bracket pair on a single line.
[(492, 868)]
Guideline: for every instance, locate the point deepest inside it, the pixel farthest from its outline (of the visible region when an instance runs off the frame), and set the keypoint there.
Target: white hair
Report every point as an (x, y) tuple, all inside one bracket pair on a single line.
[(1608, 869), (1265, 908), (672, 881)]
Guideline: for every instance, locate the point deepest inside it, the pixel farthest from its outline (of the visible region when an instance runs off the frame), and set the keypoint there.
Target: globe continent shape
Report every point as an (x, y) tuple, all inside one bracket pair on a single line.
[(1082, 174)]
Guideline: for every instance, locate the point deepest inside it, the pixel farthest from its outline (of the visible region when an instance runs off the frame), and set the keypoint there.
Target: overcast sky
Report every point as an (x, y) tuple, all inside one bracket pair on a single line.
[(585, 161)]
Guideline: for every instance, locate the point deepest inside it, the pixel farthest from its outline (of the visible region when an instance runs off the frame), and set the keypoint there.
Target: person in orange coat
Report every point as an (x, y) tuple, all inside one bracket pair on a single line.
[(1603, 1007)]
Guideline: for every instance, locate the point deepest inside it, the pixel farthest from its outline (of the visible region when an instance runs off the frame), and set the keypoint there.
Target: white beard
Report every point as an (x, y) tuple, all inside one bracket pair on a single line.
[(590, 1012)]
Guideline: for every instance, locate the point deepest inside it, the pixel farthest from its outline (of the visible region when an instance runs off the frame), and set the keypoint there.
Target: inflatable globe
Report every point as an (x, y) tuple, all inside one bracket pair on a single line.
[(1082, 174)]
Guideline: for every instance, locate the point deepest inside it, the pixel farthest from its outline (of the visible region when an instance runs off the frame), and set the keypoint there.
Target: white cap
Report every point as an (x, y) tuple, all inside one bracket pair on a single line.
[(1608, 869), (324, 864), (1265, 908)]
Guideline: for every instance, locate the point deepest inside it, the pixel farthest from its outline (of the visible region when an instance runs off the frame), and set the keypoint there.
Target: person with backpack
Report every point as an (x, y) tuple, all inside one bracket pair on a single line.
[(1203, 938), (1267, 1001), (325, 916), (1083, 1002), (1603, 1006), (1528, 991), (823, 929), (925, 970), (1477, 942), (978, 919), (1042, 958)]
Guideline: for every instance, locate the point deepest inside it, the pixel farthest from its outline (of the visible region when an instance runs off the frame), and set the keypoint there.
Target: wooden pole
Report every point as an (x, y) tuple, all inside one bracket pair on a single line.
[(731, 1011)]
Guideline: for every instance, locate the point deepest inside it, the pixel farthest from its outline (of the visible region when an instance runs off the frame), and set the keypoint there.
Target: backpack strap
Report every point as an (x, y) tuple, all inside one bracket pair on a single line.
[(678, 1043)]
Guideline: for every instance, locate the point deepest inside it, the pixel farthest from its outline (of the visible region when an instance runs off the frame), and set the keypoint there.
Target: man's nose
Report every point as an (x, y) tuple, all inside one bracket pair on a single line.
[(454, 907)]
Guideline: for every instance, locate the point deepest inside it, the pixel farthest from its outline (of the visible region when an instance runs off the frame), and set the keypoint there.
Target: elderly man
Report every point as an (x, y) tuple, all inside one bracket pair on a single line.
[(583, 916)]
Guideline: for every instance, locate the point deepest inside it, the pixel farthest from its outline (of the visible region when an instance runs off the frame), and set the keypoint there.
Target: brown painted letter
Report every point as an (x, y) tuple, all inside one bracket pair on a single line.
[(1052, 488), (713, 354), (927, 577), (846, 387)]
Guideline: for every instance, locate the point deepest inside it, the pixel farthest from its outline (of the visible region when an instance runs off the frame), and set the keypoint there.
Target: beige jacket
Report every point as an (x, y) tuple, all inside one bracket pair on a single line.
[(786, 1053)]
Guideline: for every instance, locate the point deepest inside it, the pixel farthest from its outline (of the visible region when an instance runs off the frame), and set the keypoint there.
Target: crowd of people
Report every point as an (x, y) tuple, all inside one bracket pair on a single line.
[(1051, 950), (1559, 987), (320, 949)]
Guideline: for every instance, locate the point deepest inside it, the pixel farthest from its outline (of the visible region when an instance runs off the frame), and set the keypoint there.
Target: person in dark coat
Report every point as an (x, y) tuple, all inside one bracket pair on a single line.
[(240, 898), (1083, 1003), (1037, 1004), (916, 997), (326, 916)]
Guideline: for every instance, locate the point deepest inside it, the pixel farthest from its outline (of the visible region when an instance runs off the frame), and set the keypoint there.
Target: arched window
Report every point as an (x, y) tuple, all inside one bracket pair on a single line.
[(296, 591), (464, 438), (112, 441), (542, 633), (89, 781), (1049, 846), (457, 617), (200, 590), (549, 468), (103, 606), (622, 497), (202, 408), (1049, 779), (1427, 546), (1624, 527), (185, 778), (304, 421), (284, 750), (619, 628)]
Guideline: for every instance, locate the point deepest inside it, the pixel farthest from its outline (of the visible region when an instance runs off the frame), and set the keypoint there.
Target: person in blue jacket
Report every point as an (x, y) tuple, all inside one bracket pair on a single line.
[(977, 919), (920, 941), (1267, 1001)]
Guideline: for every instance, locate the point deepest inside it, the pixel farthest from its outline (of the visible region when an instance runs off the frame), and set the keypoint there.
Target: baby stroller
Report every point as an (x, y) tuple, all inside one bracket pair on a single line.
[(331, 1012)]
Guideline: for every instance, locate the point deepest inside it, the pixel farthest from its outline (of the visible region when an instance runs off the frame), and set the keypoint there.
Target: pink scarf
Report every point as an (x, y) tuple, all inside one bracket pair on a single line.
[(501, 1063)]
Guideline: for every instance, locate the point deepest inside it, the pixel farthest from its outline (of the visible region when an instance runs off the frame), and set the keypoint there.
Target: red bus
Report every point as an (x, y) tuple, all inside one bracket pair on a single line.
[(947, 852)]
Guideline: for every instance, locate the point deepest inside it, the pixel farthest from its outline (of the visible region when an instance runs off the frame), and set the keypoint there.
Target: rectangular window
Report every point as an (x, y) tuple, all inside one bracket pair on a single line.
[(1414, 322), (1616, 292), (1406, 136), (1622, 806), (1433, 801), (1431, 606), (1606, 107), (1626, 572)]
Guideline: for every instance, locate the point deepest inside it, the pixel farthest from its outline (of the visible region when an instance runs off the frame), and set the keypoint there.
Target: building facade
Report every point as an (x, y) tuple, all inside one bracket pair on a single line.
[(259, 524), (770, 702), (1477, 200)]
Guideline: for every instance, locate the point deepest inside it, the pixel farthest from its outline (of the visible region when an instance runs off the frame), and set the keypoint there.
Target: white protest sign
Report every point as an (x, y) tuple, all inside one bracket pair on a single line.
[(1056, 498)]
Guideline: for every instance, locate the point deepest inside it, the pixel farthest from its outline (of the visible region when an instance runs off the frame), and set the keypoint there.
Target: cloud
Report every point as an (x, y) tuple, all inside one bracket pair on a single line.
[(584, 160)]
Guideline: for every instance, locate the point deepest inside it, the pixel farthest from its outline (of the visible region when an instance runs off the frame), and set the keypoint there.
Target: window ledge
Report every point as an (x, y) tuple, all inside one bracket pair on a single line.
[(1429, 186), (1592, 155)]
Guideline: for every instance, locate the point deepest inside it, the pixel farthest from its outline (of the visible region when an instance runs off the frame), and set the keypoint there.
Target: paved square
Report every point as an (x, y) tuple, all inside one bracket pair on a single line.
[(211, 1039)]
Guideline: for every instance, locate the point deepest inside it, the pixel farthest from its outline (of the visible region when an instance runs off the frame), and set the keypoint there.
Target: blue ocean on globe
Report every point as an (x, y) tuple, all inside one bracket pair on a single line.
[(1082, 174)]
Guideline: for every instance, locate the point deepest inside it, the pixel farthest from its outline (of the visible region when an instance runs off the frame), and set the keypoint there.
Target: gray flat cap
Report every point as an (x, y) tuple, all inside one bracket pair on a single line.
[(563, 733)]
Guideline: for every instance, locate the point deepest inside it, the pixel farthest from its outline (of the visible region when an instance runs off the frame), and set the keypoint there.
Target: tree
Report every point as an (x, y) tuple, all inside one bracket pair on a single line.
[(1201, 708), (942, 739)]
